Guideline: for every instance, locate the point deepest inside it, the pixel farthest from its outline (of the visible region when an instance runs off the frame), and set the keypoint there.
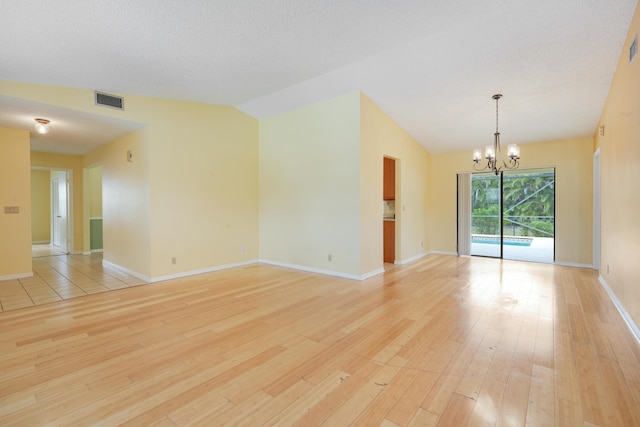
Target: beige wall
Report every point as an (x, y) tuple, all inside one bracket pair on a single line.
[(126, 200), (321, 187), (204, 186), (40, 205), (73, 165), (191, 192), (94, 186), (382, 137), (15, 190), (574, 195), (620, 175), (310, 186)]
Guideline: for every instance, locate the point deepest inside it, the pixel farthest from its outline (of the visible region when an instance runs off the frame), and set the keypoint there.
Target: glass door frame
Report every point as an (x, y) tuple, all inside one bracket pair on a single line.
[(464, 212)]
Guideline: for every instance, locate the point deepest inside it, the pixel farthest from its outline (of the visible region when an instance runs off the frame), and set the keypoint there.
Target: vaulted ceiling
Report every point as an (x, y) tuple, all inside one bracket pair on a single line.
[(431, 65)]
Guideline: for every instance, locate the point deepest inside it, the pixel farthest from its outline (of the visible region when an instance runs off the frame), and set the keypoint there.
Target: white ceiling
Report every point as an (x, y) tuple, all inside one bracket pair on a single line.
[(71, 132), (431, 65)]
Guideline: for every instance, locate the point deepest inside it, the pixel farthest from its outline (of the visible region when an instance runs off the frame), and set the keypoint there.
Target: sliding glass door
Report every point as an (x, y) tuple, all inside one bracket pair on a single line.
[(486, 205), (510, 215)]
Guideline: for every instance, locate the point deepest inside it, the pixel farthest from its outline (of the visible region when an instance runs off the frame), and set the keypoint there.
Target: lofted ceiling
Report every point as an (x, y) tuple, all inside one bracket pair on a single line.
[(431, 65)]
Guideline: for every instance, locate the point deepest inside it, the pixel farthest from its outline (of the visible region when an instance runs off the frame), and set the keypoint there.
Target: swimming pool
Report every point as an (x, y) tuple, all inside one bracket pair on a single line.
[(508, 240)]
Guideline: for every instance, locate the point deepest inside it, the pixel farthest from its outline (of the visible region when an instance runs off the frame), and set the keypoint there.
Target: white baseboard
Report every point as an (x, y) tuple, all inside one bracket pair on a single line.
[(623, 312), (17, 276), (110, 264), (573, 264), (177, 275), (41, 242), (202, 271), (442, 253), (410, 259), (372, 273), (322, 271)]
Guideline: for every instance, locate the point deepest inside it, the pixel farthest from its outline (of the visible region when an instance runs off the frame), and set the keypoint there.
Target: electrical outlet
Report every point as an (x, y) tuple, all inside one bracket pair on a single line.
[(173, 260), (11, 209), (330, 258)]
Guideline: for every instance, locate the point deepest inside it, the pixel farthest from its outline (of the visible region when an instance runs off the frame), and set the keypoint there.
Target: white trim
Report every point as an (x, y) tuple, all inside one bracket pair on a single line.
[(625, 315), (177, 275), (572, 264), (110, 264), (442, 253), (411, 259), (202, 271), (93, 251), (321, 271), (372, 273), (41, 242), (17, 276)]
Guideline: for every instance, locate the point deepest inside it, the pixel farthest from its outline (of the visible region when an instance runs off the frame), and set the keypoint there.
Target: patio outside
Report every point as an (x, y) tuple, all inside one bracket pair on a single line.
[(540, 250)]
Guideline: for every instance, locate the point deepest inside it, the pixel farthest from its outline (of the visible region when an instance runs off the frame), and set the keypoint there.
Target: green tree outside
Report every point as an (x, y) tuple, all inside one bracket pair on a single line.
[(529, 204)]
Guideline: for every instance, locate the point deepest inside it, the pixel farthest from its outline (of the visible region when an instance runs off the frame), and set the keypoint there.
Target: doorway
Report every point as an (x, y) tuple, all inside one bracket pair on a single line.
[(510, 215), (51, 214), (59, 210)]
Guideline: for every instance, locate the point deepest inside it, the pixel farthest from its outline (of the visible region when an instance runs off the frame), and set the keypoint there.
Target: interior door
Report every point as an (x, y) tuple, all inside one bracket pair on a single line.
[(59, 211)]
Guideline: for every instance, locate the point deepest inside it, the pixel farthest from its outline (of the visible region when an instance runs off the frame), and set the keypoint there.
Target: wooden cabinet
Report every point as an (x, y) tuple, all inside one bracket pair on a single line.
[(389, 241), (389, 178)]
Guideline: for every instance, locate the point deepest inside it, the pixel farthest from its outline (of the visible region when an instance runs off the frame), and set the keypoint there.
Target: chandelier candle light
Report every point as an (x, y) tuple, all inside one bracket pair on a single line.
[(491, 153)]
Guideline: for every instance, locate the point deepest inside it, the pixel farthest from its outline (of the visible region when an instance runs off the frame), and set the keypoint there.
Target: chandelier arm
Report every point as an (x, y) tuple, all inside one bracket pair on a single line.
[(513, 152)]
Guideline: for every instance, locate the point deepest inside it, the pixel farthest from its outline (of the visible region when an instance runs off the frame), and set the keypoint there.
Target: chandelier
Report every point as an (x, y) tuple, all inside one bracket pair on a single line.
[(493, 153)]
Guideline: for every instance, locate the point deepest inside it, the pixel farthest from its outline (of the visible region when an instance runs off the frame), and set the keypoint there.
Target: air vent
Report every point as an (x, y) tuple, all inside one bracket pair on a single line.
[(107, 100), (633, 50)]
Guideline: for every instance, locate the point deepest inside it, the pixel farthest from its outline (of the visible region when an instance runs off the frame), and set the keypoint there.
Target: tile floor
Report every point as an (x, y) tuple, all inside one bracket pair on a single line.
[(61, 277)]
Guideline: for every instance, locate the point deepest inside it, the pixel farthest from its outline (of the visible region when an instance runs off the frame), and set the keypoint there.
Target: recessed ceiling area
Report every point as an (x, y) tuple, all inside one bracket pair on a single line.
[(431, 66), (70, 131)]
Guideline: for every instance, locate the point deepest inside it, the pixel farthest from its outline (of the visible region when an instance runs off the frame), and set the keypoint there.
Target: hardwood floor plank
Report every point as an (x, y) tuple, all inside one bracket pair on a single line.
[(541, 408), (442, 341)]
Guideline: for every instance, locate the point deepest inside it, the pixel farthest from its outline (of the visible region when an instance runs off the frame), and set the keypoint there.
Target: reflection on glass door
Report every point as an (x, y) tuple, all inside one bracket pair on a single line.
[(486, 232), (529, 215)]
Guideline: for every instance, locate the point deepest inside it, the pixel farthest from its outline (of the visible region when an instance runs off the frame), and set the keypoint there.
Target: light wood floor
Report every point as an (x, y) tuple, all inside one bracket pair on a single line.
[(442, 341)]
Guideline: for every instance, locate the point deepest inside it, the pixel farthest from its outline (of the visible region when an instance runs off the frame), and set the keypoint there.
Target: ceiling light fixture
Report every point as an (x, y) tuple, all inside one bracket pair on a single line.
[(491, 153), (42, 125)]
